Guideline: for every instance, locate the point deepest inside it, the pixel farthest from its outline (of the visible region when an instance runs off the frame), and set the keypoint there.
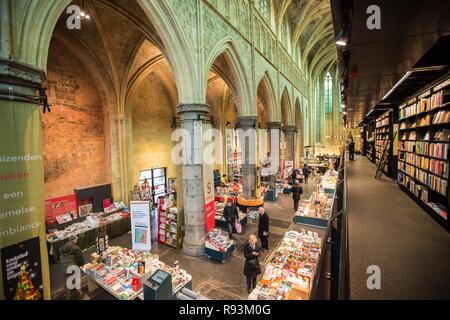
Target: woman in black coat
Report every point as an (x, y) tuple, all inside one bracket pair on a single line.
[(251, 268)]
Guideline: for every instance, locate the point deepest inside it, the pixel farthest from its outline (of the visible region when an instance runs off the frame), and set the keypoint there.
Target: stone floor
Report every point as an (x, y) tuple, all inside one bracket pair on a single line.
[(212, 279)]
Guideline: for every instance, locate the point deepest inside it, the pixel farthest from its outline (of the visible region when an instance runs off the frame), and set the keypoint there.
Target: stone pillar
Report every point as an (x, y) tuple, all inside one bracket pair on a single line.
[(290, 142), (193, 187), (247, 140), (274, 148)]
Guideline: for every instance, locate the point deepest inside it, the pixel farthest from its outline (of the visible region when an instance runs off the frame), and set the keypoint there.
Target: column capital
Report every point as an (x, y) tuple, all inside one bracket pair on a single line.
[(193, 111), (247, 122), (274, 125), (19, 82), (290, 128)]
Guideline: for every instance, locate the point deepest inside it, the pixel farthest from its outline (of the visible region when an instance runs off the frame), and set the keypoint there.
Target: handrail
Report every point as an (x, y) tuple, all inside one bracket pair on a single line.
[(344, 281), (332, 275)]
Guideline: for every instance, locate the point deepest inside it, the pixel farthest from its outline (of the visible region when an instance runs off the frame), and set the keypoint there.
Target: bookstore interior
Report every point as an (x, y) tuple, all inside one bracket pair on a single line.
[(105, 127)]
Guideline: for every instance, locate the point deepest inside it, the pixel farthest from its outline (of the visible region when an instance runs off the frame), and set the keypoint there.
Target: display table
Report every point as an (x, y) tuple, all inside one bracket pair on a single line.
[(290, 273), (220, 220), (221, 223), (116, 270), (317, 210), (88, 238), (218, 255), (218, 246)]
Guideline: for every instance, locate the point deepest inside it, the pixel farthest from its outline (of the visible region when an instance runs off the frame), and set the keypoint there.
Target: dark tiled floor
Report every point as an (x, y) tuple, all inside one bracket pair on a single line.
[(210, 278), (388, 229)]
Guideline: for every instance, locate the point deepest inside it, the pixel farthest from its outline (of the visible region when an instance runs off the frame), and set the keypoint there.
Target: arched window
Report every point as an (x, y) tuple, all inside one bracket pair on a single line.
[(263, 7), (318, 113), (328, 96), (285, 35)]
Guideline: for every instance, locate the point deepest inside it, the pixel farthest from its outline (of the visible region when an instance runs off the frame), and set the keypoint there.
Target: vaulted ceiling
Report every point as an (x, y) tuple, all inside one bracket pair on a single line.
[(311, 27)]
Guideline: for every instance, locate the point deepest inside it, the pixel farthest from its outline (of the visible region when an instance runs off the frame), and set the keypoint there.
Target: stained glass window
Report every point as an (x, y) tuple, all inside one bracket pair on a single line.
[(263, 7), (328, 96), (318, 113)]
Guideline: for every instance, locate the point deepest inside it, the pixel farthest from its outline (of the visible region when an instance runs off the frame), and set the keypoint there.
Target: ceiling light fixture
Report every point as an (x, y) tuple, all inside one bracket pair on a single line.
[(342, 39)]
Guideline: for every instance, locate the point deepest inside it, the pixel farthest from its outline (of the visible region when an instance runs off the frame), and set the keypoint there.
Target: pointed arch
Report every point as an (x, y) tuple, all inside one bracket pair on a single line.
[(287, 116), (266, 91), (239, 82), (300, 125)]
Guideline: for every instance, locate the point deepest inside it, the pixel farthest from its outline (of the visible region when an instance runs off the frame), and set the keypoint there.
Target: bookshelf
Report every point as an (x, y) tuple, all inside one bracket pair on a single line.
[(424, 149), (385, 134), (370, 141)]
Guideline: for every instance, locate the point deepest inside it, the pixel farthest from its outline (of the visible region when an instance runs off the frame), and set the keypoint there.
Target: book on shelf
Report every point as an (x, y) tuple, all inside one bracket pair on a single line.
[(439, 150), (441, 117), (442, 135)]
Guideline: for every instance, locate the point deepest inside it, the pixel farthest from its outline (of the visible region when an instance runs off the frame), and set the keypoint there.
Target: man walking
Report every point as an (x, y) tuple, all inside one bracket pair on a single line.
[(231, 215), (306, 172), (263, 229), (297, 191)]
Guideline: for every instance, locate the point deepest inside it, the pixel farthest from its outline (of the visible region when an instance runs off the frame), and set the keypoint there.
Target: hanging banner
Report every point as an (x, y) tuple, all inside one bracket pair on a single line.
[(22, 214), (140, 225)]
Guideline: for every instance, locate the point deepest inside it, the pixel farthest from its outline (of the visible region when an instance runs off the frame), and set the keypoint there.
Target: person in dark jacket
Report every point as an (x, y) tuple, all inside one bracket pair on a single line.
[(295, 175), (231, 215), (306, 172), (71, 255), (252, 267), (297, 191), (263, 229)]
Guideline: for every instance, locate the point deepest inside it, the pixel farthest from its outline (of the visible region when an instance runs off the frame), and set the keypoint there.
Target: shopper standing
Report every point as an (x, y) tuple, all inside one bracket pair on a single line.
[(351, 147), (297, 191), (231, 215), (263, 229), (306, 172), (71, 255), (252, 267)]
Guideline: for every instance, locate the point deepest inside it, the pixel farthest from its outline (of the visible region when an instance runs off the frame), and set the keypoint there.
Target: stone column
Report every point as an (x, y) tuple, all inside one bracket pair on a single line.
[(193, 187), (247, 140), (290, 142), (274, 148)]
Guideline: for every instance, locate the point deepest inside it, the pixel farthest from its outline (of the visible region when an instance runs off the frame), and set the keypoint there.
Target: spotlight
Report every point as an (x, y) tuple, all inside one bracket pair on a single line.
[(342, 39), (83, 14), (88, 17)]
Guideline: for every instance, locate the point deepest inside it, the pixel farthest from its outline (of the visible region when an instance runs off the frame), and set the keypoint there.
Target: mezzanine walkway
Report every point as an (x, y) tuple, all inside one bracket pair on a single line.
[(388, 229)]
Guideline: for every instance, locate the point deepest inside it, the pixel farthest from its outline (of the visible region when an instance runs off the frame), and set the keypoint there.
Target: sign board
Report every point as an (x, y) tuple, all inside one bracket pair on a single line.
[(58, 206), (141, 225), (22, 272), (288, 168)]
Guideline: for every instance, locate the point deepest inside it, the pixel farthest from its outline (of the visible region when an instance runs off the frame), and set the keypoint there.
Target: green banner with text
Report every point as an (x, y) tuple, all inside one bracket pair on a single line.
[(23, 254)]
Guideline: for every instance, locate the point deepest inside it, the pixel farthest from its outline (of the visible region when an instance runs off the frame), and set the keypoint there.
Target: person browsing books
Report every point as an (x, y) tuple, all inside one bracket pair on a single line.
[(231, 215), (252, 267)]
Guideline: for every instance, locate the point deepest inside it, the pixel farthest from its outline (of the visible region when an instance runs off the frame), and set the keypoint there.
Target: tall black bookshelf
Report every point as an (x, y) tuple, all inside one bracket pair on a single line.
[(370, 141), (424, 149), (385, 134)]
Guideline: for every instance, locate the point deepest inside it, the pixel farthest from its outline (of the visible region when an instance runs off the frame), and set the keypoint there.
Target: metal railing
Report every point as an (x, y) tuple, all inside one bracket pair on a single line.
[(332, 276)]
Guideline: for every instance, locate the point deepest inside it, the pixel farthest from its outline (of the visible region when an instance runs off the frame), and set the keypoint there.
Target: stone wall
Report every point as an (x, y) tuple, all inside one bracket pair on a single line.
[(75, 138), (151, 118)]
